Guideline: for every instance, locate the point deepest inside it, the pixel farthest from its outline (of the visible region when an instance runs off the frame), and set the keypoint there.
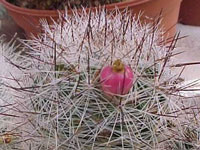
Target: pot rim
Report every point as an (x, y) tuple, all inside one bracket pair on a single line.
[(38, 12)]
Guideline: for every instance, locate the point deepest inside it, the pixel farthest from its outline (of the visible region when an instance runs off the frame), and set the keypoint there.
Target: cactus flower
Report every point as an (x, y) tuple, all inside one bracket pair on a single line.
[(116, 79)]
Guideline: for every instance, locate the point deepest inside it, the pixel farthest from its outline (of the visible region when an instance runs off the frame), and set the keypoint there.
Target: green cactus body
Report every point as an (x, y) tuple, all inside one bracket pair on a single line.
[(59, 101)]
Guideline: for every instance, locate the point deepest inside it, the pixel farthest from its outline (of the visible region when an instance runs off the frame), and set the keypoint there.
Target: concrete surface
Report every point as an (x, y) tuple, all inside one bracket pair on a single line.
[(190, 46)]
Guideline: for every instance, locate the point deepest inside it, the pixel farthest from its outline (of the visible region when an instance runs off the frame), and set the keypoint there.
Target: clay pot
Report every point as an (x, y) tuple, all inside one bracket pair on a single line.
[(190, 12), (28, 19)]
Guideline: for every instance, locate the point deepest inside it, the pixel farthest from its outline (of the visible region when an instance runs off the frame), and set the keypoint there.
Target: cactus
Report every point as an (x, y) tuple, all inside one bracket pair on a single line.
[(58, 101)]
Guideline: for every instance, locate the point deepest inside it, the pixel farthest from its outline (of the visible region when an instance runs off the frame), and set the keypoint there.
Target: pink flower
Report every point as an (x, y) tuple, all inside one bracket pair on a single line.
[(116, 79)]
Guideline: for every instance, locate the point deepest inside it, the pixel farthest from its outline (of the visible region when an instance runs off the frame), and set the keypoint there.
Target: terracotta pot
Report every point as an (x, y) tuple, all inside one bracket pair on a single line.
[(190, 12), (28, 19)]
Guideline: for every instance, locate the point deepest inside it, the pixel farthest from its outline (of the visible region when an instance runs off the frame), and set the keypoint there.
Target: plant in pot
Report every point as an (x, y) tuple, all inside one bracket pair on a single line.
[(61, 4), (94, 82), (189, 12), (27, 14)]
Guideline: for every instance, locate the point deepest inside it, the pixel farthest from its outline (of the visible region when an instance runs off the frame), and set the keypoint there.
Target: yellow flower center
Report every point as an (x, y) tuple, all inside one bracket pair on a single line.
[(118, 66)]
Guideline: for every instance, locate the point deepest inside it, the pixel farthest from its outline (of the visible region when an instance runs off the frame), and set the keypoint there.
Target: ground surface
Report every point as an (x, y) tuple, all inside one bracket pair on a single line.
[(190, 46)]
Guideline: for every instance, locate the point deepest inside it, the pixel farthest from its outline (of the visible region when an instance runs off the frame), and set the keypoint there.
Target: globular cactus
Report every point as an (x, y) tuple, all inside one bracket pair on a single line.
[(59, 99)]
